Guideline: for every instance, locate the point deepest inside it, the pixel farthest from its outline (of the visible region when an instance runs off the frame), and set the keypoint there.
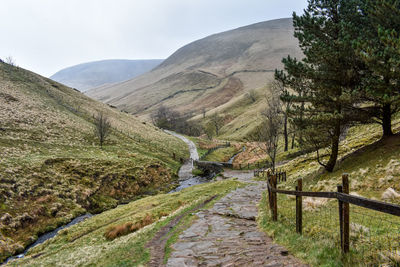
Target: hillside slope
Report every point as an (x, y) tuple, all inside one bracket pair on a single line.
[(373, 166), (105, 72), (208, 73), (51, 166)]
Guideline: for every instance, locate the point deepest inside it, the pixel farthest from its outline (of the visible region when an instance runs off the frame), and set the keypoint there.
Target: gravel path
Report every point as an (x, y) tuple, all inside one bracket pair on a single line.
[(227, 234)]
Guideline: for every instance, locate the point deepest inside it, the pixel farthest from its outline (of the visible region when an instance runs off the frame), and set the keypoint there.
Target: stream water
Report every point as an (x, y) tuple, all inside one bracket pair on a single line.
[(186, 179), (230, 161), (49, 235)]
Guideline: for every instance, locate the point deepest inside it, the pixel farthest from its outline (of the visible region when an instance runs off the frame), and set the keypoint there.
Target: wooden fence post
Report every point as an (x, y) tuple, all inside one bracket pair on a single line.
[(275, 199), (269, 180), (299, 208), (340, 190), (346, 215)]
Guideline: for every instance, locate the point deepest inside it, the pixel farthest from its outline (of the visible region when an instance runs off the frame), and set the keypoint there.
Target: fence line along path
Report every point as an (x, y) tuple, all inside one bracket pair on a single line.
[(368, 227)]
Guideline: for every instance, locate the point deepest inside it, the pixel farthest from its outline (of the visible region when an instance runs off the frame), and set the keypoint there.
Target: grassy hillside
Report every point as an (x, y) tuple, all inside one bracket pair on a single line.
[(373, 166), (214, 73), (51, 167)]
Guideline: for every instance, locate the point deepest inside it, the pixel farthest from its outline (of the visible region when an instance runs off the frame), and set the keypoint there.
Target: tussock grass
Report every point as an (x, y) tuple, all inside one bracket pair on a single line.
[(127, 228)]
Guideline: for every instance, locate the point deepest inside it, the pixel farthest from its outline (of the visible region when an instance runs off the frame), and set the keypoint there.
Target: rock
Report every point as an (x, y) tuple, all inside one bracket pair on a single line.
[(390, 194), (6, 219)]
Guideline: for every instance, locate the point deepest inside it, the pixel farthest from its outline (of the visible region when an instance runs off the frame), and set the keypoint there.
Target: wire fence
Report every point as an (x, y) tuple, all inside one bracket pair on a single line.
[(365, 230)]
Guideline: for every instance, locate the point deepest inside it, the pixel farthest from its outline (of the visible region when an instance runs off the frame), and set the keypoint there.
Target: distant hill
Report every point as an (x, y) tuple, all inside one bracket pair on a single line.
[(51, 166), (212, 73), (94, 74)]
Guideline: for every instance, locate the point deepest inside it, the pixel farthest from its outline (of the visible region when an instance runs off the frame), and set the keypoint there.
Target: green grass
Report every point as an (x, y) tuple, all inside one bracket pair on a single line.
[(372, 233), (221, 154), (85, 244)]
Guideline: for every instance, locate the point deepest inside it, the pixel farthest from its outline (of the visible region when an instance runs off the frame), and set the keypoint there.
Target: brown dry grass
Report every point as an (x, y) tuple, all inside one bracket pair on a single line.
[(127, 228)]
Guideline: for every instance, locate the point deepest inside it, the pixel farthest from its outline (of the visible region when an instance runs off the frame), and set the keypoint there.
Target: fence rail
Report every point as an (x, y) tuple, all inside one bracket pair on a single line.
[(344, 201)]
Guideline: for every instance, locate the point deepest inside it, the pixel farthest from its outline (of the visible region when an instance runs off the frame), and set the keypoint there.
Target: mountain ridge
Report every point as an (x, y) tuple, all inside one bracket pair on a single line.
[(208, 73), (94, 74)]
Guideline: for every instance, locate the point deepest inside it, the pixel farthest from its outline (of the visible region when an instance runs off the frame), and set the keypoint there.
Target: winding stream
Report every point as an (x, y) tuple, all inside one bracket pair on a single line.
[(234, 156), (186, 178)]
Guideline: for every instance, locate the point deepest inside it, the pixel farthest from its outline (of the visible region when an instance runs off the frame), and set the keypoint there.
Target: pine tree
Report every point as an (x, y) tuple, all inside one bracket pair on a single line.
[(325, 82), (378, 44)]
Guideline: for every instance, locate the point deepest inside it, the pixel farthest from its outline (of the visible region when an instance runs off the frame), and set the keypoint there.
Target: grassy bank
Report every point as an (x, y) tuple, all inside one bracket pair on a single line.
[(85, 244)]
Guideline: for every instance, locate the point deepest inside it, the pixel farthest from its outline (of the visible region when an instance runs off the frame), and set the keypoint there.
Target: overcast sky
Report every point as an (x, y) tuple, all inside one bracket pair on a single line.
[(48, 35)]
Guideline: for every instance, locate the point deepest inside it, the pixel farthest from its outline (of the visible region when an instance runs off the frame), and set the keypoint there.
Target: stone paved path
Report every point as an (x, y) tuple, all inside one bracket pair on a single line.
[(227, 233)]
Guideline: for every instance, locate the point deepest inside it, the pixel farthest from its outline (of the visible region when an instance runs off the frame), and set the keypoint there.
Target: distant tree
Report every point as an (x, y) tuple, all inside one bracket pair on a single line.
[(209, 130), (252, 95), (102, 127), (10, 60), (166, 118), (267, 134), (218, 121), (204, 112), (279, 87)]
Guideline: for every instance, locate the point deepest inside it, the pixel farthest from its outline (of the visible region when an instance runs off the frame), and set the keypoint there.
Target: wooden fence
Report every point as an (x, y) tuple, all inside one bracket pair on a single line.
[(341, 195)]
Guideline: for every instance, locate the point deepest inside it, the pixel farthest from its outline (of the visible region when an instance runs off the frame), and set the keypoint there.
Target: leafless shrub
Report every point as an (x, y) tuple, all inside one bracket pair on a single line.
[(102, 127), (271, 128)]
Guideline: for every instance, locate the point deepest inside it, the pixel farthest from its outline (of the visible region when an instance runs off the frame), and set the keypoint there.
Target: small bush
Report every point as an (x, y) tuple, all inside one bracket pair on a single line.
[(127, 228)]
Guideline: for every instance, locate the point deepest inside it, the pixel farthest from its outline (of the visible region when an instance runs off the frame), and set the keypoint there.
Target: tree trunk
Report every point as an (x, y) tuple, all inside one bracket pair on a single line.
[(387, 120), (334, 149), (293, 138), (285, 132)]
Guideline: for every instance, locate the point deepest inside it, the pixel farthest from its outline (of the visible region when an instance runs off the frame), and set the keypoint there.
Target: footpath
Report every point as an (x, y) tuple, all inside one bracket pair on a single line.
[(227, 233)]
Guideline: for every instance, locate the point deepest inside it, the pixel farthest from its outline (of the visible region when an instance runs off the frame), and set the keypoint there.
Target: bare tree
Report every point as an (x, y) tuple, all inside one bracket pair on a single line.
[(103, 127), (271, 128), (252, 95), (209, 130), (217, 121), (279, 88), (10, 60)]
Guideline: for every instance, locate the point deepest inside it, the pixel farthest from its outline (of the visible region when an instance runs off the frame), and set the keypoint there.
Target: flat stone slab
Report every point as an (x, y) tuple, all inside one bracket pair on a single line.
[(227, 233)]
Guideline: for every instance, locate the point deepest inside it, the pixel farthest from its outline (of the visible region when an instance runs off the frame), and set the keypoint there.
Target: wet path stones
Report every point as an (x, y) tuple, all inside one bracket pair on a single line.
[(227, 233)]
